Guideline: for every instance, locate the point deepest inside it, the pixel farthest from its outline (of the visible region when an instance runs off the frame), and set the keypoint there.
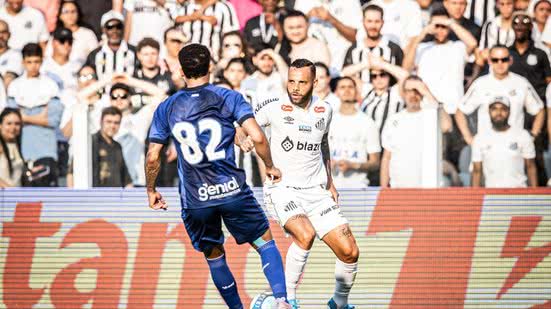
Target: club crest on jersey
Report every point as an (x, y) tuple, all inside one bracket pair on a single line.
[(286, 108), (320, 125), (287, 144), (289, 120), (513, 146), (319, 109)]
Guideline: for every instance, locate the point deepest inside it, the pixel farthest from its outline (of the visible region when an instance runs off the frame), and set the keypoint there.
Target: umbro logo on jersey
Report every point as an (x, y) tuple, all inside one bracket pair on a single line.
[(289, 119), (286, 108), (319, 109), (290, 206), (320, 125), (287, 144)]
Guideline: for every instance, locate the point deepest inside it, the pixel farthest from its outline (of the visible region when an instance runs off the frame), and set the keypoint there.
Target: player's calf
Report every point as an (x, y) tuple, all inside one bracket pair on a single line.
[(272, 266), (222, 277)]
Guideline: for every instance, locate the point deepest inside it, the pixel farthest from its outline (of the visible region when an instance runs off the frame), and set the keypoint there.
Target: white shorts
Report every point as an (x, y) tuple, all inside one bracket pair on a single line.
[(316, 203)]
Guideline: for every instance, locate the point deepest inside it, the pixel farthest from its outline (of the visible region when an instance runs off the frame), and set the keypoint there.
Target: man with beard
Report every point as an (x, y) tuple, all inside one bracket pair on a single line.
[(305, 201), (374, 43), (115, 55), (503, 153), (10, 60)]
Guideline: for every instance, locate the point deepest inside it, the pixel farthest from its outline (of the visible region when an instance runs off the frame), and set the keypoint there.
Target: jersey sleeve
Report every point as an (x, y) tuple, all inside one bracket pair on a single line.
[(532, 102), (472, 99), (160, 128), (527, 146), (241, 109), (329, 118), (476, 152)]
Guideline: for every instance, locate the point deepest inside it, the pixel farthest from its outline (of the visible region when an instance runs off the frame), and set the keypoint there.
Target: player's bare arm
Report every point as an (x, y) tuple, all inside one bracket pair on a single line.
[(326, 157), (253, 130), (152, 168)]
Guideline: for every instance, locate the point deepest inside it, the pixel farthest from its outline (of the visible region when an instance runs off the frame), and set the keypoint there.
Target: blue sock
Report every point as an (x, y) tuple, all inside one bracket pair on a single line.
[(273, 268), (224, 282)]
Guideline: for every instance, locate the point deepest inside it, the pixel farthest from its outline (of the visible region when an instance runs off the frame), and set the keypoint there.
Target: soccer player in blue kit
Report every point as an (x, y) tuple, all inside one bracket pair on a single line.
[(200, 119)]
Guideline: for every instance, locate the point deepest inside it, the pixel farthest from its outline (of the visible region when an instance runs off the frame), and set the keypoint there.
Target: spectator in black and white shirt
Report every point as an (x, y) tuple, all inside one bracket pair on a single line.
[(402, 19), (480, 11), (26, 24), (264, 29), (456, 9), (429, 58), (499, 30), (10, 60), (373, 43), (205, 21), (115, 55)]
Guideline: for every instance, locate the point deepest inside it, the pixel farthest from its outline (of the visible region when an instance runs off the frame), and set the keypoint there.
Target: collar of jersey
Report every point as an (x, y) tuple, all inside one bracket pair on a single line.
[(196, 87)]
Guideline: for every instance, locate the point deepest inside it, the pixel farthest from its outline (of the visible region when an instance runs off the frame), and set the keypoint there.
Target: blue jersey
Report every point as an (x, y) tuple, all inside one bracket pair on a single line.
[(201, 120)]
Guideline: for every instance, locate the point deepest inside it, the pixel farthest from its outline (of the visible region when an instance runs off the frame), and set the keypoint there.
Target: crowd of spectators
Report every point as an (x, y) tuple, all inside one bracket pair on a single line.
[(380, 64)]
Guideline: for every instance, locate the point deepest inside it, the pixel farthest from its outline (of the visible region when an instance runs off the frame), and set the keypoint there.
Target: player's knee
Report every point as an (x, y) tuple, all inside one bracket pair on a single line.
[(214, 252), (350, 254), (305, 238)]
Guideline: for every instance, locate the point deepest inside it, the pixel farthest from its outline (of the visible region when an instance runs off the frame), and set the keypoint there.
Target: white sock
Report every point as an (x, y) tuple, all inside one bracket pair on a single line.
[(345, 274), (294, 267)]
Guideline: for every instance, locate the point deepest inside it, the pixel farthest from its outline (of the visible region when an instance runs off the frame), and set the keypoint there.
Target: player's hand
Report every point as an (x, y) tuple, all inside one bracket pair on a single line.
[(247, 145), (375, 62), (274, 174), (334, 193), (156, 200)]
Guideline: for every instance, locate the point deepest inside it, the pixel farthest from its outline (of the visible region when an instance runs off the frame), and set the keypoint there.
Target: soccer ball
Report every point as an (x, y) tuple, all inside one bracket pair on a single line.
[(264, 300)]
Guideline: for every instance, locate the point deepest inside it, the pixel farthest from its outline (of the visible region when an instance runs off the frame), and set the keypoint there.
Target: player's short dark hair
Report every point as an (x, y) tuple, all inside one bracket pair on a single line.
[(345, 78), (440, 11), (304, 63), (238, 60), (148, 42), (195, 60), (374, 7), (31, 50), (111, 110), (323, 66)]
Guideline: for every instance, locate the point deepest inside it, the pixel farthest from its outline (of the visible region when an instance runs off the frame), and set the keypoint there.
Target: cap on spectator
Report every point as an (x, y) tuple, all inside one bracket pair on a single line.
[(501, 99), (120, 86), (62, 34), (111, 15)]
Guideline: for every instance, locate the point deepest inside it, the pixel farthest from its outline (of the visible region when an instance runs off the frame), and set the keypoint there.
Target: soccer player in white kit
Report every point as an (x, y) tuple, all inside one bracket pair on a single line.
[(305, 202)]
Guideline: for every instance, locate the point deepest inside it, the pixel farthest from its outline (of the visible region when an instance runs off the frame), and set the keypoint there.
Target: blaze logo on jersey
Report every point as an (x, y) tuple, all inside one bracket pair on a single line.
[(218, 191), (286, 108), (320, 125), (287, 144), (319, 109)]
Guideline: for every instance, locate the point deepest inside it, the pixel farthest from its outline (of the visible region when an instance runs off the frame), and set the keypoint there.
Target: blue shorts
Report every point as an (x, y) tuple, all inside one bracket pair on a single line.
[(244, 218)]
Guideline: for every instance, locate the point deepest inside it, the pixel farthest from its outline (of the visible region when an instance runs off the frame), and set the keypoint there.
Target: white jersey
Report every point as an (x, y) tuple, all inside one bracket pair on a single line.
[(296, 136), (502, 155), (352, 138)]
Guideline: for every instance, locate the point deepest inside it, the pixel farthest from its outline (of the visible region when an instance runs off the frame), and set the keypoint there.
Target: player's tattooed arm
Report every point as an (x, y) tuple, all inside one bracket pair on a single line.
[(152, 165), (326, 157)]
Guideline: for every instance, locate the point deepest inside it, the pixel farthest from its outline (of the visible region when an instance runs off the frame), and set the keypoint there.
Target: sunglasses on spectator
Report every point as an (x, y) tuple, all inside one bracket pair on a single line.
[(232, 45), (177, 41), (119, 96), (503, 60), (86, 77), (441, 26), (63, 41), (522, 20), (117, 26), (374, 75)]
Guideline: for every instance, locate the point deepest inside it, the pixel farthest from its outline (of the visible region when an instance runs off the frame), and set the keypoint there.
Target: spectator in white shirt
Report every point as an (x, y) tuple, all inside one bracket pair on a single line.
[(499, 30), (402, 20), (58, 66), (10, 60), (353, 140), (145, 18), (336, 23), (296, 43), (174, 40), (542, 10), (26, 23), (500, 81), (402, 140), (503, 153), (429, 58), (84, 39), (322, 89)]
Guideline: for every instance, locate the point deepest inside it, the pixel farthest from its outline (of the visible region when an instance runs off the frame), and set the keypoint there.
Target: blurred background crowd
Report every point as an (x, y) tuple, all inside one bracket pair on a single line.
[(483, 64)]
